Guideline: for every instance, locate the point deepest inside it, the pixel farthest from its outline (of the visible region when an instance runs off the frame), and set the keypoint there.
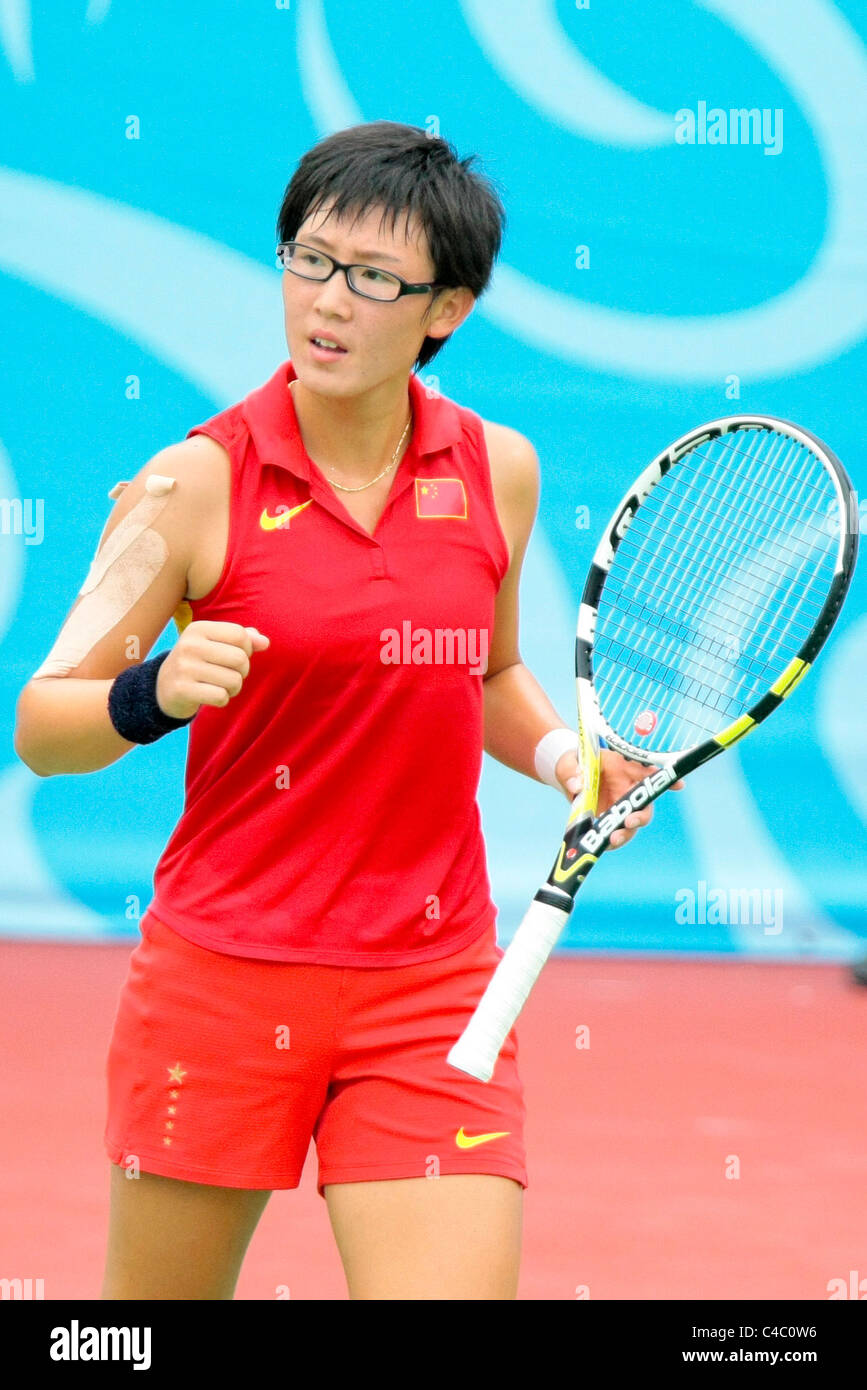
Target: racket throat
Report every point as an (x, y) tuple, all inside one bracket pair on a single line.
[(571, 867)]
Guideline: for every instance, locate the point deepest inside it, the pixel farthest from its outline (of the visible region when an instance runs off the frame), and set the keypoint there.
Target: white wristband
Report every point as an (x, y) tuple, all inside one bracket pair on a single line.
[(549, 751)]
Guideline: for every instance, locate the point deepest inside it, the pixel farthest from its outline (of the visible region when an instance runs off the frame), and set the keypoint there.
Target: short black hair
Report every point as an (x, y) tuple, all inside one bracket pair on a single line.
[(403, 169)]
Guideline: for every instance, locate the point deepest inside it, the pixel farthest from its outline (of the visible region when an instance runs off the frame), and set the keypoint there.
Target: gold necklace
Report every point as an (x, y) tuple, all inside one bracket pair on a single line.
[(344, 488)]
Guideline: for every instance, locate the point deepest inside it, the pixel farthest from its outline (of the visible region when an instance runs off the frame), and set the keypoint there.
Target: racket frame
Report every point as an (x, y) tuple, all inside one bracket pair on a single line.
[(586, 837)]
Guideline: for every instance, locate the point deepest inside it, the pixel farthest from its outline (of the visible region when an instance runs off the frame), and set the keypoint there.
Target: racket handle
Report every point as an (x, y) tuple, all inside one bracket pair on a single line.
[(477, 1049)]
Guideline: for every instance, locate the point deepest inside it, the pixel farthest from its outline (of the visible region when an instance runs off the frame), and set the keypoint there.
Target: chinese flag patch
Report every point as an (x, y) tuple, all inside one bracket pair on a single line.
[(439, 497)]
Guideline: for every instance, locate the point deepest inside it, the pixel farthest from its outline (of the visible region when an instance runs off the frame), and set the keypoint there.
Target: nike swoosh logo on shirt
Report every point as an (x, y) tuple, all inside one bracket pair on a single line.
[(270, 523), (467, 1141)]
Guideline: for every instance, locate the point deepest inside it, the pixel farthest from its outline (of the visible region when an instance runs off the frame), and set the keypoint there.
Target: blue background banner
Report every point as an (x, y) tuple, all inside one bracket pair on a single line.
[(670, 258)]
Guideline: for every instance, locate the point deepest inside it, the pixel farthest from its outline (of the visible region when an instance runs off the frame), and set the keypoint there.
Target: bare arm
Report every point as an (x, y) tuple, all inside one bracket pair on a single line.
[(62, 721), (62, 725), (517, 710)]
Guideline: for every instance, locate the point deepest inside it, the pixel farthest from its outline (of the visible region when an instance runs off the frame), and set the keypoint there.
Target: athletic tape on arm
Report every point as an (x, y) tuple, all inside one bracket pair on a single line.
[(122, 570), (183, 614)]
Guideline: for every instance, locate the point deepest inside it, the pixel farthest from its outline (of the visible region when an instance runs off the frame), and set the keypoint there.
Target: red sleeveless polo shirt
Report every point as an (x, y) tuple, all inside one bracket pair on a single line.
[(330, 811)]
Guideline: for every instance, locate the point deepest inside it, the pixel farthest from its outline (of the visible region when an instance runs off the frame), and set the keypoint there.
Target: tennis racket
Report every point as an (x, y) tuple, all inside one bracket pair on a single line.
[(715, 584)]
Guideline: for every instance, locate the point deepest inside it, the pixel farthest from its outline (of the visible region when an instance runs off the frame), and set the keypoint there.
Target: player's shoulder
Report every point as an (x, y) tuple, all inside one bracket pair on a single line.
[(201, 460), (514, 461), (192, 480), (198, 467)]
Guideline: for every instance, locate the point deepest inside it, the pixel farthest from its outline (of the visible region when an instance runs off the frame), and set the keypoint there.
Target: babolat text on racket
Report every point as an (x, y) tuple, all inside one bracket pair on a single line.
[(715, 584)]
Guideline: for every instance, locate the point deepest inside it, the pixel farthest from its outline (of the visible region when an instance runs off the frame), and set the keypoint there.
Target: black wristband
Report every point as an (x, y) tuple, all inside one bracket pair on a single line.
[(133, 707)]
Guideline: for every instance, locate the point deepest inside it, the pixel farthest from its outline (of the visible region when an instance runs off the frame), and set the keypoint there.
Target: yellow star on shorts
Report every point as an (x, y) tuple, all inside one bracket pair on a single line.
[(175, 1073)]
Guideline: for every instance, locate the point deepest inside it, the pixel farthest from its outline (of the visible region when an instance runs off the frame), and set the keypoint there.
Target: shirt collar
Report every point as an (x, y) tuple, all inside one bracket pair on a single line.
[(269, 412)]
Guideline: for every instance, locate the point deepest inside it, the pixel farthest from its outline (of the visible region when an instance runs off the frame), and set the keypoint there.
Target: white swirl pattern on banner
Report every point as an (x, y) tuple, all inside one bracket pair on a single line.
[(820, 57), (812, 48), (15, 37), (556, 79)]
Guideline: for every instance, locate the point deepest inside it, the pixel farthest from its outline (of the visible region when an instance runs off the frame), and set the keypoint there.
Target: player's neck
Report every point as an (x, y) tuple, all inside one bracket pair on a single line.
[(355, 433)]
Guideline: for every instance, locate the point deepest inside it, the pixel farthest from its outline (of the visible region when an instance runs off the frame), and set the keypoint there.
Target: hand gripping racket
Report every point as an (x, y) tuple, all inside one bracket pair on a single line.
[(715, 584)]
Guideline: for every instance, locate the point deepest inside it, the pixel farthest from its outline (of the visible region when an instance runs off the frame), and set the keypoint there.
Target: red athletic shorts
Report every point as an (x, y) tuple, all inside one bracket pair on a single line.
[(221, 1069)]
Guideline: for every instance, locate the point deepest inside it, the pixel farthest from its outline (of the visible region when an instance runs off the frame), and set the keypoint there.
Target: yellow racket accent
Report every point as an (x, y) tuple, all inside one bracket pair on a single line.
[(586, 800), (590, 763), (794, 672), (782, 686), (579, 866), (735, 731)]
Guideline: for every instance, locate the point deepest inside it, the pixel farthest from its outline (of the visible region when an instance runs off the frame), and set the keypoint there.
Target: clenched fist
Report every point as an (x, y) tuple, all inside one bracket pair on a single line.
[(207, 666)]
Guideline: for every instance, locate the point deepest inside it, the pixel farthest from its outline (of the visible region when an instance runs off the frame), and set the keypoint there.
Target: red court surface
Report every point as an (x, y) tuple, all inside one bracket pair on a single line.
[(694, 1069)]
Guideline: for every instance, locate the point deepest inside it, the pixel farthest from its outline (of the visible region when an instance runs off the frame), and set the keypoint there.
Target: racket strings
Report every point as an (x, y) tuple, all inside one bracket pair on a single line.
[(742, 598), (702, 694), (715, 586), (808, 531), (736, 535), (708, 566), (690, 676), (703, 574), (643, 612), (694, 730), (819, 538)]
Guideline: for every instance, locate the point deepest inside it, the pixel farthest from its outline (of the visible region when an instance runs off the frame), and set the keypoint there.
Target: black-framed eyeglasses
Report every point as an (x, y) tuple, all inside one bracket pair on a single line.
[(367, 280)]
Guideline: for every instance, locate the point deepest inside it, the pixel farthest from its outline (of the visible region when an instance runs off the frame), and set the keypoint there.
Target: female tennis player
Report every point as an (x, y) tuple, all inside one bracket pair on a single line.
[(342, 552)]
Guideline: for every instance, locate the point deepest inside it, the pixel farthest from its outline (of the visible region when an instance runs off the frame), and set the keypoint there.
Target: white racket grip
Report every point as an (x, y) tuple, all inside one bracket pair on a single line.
[(477, 1049)]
